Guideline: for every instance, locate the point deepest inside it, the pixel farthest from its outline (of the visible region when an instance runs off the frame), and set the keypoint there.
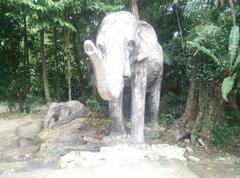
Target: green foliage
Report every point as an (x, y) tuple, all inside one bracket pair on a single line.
[(233, 44), (172, 106), (224, 134), (64, 24), (236, 65), (167, 60), (207, 42), (228, 82), (194, 7), (33, 102), (227, 85), (93, 104), (193, 138), (204, 50)]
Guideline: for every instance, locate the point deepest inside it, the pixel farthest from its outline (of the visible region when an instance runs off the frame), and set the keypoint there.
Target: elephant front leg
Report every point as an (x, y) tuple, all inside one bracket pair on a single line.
[(115, 111), (139, 83)]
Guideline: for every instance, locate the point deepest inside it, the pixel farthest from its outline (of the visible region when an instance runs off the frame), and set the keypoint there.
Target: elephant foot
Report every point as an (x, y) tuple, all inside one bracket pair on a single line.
[(118, 129), (152, 130), (137, 141), (117, 133), (152, 126), (117, 138)]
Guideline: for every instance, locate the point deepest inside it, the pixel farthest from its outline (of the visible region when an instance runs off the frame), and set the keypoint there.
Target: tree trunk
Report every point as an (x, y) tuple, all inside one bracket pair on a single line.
[(26, 53), (67, 48), (134, 8), (57, 89), (180, 27), (203, 107), (77, 51), (44, 68), (178, 88), (192, 104), (26, 87), (232, 101)]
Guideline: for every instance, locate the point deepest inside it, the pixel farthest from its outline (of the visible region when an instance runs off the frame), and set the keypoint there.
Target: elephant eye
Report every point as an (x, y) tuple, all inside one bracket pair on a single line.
[(101, 48), (131, 45)]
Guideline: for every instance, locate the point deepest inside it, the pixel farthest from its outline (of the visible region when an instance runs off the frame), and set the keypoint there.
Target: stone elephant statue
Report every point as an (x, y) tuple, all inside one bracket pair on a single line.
[(128, 66)]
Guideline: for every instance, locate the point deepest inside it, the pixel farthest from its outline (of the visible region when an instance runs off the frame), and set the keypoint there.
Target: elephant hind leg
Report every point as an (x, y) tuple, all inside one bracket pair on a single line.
[(152, 104), (127, 104)]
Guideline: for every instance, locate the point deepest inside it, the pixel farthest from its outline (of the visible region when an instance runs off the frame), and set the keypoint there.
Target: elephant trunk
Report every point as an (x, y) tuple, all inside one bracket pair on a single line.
[(99, 72)]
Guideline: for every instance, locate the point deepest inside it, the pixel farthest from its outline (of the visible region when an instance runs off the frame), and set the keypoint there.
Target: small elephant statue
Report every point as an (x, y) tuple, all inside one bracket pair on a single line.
[(128, 67)]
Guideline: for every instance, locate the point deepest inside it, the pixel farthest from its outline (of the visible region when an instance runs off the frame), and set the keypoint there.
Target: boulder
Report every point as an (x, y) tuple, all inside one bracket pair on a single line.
[(67, 134), (58, 141), (61, 113), (27, 133), (194, 159), (189, 149)]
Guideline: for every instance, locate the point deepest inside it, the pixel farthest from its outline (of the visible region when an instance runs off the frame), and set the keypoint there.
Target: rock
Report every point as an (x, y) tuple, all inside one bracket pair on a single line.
[(169, 152), (221, 158), (153, 156), (29, 129), (12, 167), (162, 129), (123, 154), (187, 141), (68, 134), (189, 149), (27, 133), (194, 159), (70, 160), (202, 144), (81, 159), (61, 113)]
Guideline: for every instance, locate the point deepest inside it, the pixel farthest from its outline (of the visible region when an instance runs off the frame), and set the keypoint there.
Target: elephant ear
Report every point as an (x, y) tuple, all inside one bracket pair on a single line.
[(142, 50)]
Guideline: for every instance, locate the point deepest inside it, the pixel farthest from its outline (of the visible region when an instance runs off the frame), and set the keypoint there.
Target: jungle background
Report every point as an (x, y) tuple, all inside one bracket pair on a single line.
[(42, 59)]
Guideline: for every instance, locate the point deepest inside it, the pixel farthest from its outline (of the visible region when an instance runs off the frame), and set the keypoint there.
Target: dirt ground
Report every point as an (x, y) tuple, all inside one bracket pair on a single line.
[(43, 161)]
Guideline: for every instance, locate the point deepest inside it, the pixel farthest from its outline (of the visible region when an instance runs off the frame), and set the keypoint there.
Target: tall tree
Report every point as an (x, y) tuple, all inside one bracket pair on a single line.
[(57, 72), (67, 48), (77, 52), (44, 67)]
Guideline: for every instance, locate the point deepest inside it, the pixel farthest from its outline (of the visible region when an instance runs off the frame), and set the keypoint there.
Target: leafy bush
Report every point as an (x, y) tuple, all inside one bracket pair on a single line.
[(33, 102), (172, 106), (93, 104), (224, 134)]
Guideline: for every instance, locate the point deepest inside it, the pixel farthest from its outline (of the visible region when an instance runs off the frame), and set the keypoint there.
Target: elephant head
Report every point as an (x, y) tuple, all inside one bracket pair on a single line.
[(118, 47)]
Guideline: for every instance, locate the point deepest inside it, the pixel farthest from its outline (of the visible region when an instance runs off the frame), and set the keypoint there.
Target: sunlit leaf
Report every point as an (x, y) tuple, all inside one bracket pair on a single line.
[(204, 50), (227, 86), (233, 43), (237, 61)]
